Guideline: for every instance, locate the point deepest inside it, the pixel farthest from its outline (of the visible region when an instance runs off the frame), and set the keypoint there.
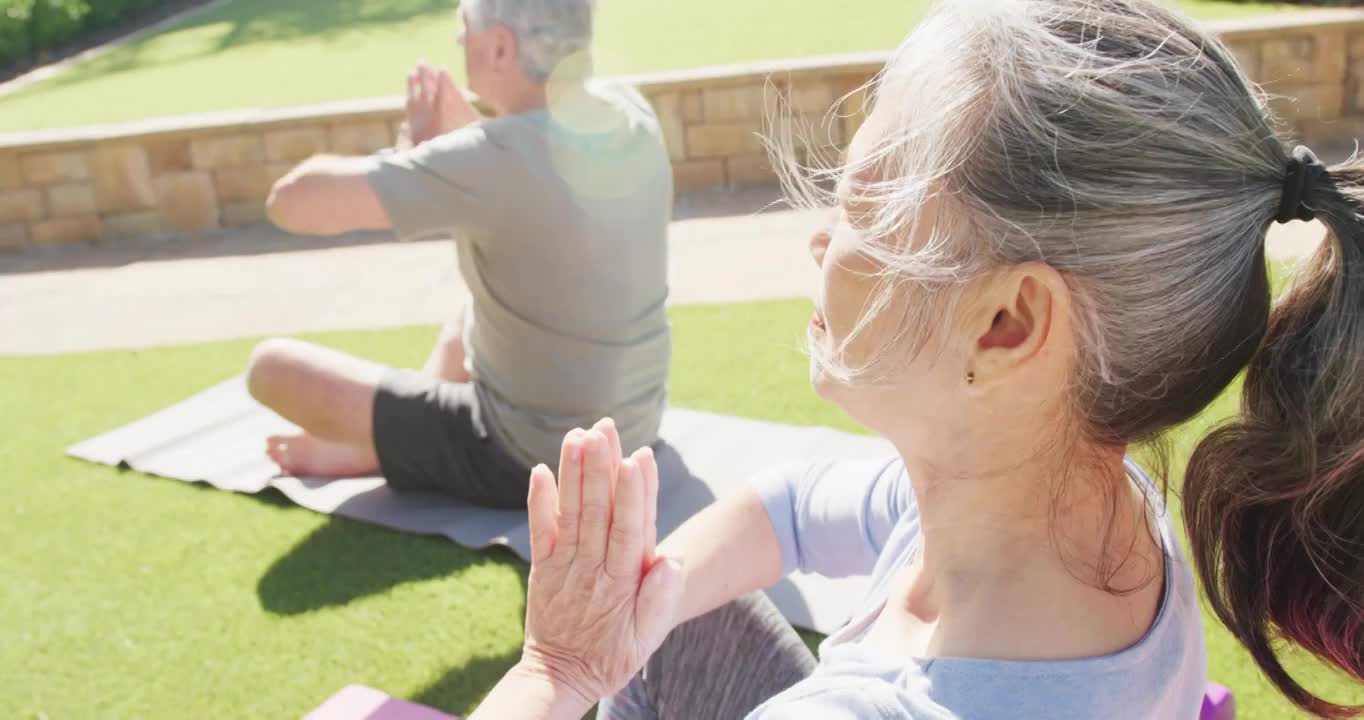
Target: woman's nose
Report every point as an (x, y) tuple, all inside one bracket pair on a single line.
[(819, 245)]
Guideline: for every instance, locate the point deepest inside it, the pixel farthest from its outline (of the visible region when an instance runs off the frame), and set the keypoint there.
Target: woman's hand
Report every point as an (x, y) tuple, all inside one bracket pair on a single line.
[(600, 601)]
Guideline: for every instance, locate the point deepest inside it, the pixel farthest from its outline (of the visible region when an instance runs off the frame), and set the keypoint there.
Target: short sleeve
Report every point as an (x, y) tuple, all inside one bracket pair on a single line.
[(447, 184), (832, 518)]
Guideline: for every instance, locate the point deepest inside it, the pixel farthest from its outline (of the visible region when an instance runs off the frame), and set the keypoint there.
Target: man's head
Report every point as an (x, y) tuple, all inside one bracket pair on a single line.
[(510, 43)]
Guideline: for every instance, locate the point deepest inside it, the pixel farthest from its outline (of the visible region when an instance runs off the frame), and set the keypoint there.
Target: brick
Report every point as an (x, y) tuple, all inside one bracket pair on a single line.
[(810, 96), (855, 95), (714, 141), (1354, 99), (244, 214), (294, 144), (13, 236), (187, 201), (1341, 132), (123, 178), (67, 231), (361, 138), (698, 174), (1322, 102), (138, 225), (167, 155), (1331, 57), (70, 200), (22, 206), (211, 153), (853, 112), (1287, 58), (1247, 55), (669, 110), (813, 134), (273, 173), (53, 168), (10, 176), (727, 105), (750, 170), (242, 184), (693, 107), (1354, 53), (1295, 105)]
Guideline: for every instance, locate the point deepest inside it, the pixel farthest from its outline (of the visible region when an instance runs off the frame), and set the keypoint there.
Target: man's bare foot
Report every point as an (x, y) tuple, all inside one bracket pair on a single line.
[(303, 455)]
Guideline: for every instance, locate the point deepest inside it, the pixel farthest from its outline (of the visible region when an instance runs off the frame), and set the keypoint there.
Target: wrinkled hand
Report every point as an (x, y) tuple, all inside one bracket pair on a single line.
[(434, 105), (600, 600)]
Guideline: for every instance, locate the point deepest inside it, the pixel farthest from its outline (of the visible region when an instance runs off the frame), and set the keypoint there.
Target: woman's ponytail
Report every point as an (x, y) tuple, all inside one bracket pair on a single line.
[(1274, 500)]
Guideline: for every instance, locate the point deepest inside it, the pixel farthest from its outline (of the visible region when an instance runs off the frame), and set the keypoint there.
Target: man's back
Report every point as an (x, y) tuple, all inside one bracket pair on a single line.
[(561, 217)]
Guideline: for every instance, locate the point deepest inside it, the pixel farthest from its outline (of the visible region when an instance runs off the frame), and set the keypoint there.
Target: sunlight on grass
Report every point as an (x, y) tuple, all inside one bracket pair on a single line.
[(266, 54)]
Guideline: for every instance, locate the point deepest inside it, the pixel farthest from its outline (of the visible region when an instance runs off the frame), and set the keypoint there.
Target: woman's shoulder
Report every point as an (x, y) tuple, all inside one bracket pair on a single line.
[(945, 689), (839, 696)]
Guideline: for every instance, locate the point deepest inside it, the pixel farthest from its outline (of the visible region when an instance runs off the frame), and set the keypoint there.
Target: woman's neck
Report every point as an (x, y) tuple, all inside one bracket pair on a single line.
[(1014, 557)]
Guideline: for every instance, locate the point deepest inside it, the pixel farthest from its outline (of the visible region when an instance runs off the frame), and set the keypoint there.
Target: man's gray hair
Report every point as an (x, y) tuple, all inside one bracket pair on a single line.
[(547, 31)]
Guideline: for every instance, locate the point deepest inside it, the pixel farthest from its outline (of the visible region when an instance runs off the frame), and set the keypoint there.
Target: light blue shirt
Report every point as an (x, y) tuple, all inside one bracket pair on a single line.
[(847, 518)]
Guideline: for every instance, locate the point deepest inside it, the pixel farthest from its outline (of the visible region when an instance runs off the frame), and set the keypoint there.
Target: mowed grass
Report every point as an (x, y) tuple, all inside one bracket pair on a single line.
[(126, 596), (267, 53)]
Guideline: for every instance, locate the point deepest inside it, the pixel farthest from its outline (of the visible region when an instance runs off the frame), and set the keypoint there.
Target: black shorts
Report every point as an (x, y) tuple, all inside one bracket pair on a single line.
[(430, 437)]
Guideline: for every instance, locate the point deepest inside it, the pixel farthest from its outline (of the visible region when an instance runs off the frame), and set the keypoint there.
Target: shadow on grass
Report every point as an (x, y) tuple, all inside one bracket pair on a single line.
[(461, 688), (247, 22), (344, 560)]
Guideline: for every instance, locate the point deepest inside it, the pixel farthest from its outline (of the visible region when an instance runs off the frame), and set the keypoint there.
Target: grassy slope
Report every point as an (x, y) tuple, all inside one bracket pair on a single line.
[(127, 596), (266, 53)]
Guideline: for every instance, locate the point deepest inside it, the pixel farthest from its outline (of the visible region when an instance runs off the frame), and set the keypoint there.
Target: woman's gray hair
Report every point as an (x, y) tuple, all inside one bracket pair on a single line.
[(1109, 139), (547, 31)]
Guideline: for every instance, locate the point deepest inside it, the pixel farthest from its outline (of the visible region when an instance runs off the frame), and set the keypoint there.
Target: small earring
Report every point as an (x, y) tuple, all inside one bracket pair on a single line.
[(970, 378)]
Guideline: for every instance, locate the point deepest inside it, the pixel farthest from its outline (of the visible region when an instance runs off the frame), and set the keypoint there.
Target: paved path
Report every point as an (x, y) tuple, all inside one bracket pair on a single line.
[(268, 283)]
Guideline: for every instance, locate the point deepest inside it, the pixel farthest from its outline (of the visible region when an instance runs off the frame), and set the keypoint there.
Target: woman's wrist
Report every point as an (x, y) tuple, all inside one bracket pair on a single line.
[(535, 690), (557, 673), (563, 693)]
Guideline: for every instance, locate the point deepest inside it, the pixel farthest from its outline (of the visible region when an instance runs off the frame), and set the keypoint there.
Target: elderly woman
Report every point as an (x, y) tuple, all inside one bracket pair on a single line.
[(1049, 246)]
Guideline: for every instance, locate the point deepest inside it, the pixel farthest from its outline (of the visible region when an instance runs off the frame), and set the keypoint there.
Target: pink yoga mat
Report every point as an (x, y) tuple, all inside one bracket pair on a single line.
[(357, 702)]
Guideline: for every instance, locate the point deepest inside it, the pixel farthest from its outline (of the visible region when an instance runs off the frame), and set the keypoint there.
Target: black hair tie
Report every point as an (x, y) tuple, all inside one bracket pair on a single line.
[(1303, 174)]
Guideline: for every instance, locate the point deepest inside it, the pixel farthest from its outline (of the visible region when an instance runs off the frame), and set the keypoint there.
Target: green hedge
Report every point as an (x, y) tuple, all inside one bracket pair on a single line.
[(31, 28)]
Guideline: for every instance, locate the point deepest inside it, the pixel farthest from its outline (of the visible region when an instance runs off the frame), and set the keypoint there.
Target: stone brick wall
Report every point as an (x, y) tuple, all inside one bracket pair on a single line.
[(182, 176), (168, 177), (714, 120), (1311, 65)]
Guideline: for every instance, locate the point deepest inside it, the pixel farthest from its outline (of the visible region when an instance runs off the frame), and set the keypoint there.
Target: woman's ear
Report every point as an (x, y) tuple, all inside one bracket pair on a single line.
[(1013, 322)]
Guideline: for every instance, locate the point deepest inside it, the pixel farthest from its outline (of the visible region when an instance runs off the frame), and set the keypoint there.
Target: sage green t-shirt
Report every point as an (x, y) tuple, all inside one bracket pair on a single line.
[(560, 217)]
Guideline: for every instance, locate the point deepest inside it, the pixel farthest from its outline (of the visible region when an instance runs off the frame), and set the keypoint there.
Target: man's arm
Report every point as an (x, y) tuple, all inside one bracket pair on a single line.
[(328, 195)]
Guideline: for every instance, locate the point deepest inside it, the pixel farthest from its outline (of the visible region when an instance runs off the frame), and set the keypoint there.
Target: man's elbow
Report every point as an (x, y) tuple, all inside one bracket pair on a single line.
[(287, 208), (326, 196)]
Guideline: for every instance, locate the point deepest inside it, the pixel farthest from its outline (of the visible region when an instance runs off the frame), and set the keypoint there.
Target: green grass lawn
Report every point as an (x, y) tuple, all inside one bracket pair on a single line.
[(268, 53), (129, 596)]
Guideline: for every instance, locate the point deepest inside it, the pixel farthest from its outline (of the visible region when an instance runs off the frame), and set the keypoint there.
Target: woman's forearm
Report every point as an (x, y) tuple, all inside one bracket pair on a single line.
[(727, 551)]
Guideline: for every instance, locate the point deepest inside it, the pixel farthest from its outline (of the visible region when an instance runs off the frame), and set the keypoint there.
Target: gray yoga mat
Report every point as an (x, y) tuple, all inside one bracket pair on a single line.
[(218, 437)]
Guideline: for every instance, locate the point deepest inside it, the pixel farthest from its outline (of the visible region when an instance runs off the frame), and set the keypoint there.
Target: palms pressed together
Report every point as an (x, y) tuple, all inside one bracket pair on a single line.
[(435, 106), (600, 599)]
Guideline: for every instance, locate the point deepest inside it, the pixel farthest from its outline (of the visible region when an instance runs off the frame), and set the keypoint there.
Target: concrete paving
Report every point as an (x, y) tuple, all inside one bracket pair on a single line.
[(724, 248)]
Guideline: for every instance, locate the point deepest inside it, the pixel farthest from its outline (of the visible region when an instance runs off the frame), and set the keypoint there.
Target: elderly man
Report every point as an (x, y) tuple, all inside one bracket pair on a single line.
[(559, 204)]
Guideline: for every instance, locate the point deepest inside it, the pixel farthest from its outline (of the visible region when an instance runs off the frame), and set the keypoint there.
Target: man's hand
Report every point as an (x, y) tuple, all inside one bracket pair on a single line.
[(434, 105)]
